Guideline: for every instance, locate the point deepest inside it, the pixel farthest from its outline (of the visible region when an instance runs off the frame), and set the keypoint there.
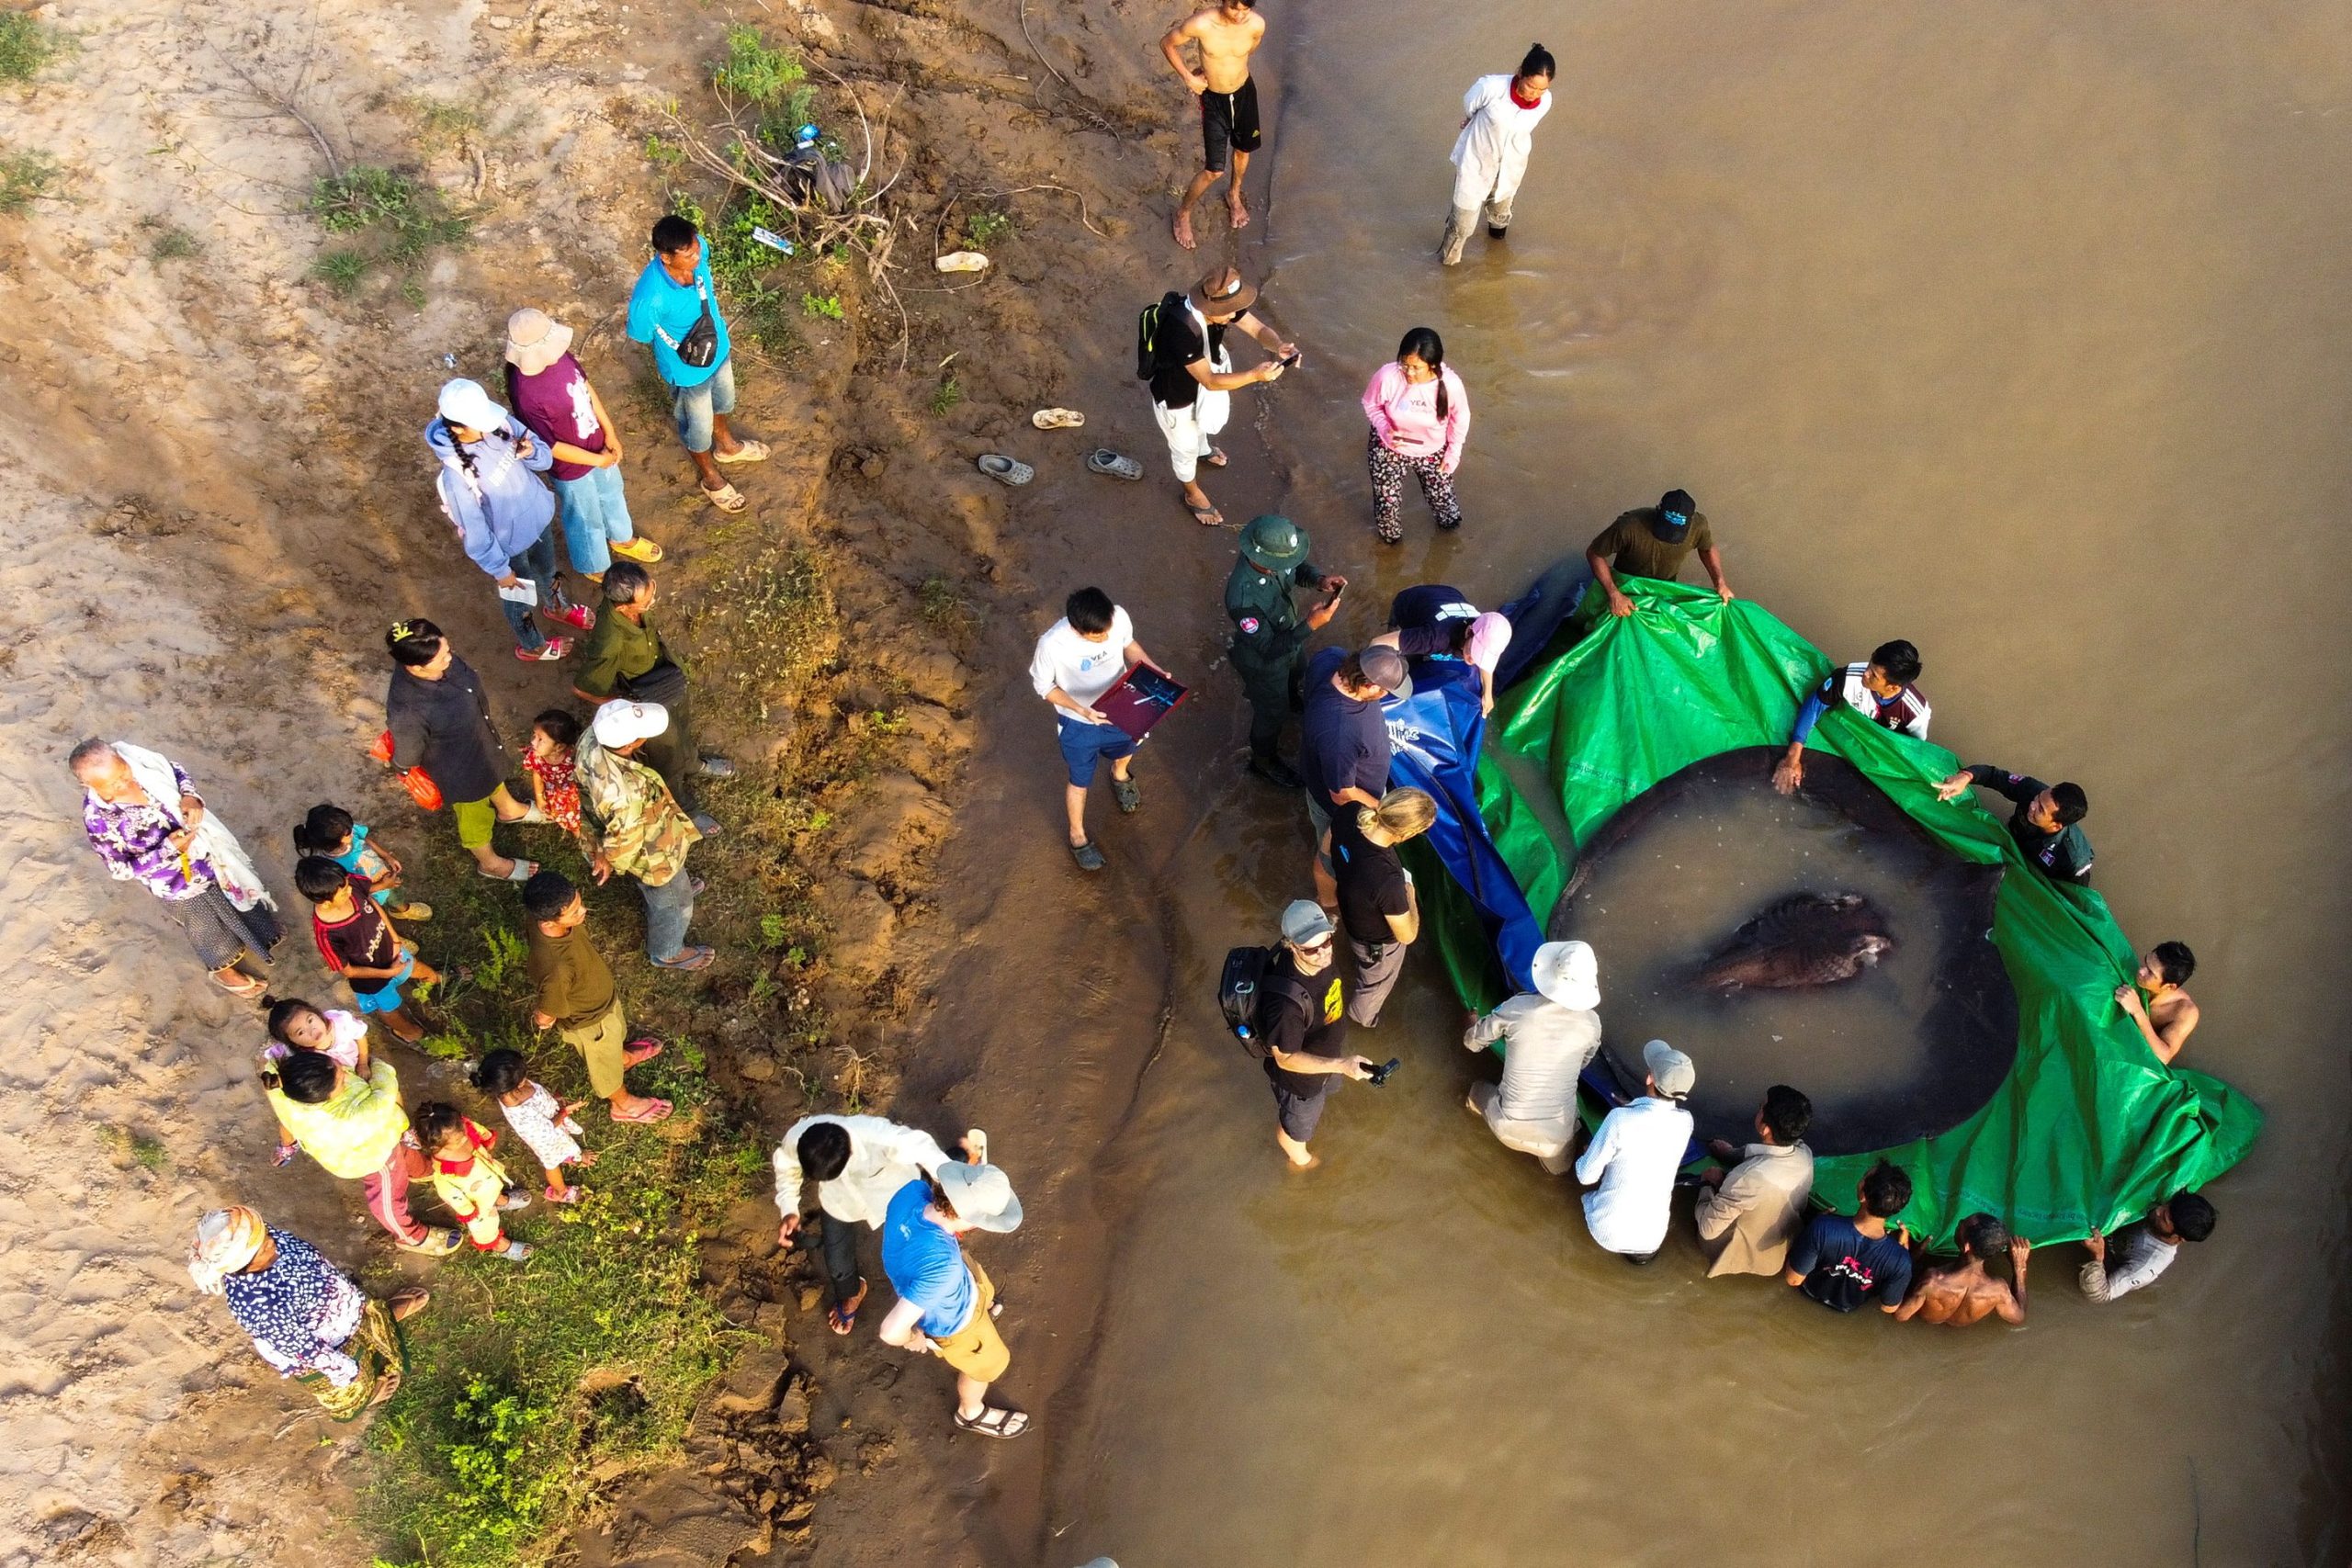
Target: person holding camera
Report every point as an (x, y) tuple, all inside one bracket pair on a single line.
[(1192, 379), (1306, 1029)]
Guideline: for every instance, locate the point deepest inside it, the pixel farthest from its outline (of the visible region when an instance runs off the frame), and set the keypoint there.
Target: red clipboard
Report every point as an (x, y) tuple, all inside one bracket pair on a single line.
[(1142, 698)]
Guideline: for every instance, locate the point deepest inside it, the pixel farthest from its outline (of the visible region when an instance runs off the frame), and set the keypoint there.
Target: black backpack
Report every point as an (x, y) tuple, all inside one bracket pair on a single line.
[(1243, 989), (1159, 331)]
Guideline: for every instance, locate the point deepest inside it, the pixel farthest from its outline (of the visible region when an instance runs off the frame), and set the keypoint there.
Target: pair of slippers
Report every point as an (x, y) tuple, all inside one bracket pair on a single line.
[(1102, 460)]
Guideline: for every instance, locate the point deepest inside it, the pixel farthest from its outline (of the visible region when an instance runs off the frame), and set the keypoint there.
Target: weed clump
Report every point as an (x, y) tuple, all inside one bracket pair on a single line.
[(25, 178), (26, 44), (396, 221), (772, 79)]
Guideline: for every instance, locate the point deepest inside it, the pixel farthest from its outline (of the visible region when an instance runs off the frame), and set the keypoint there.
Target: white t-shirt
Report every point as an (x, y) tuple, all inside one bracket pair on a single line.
[(1082, 668)]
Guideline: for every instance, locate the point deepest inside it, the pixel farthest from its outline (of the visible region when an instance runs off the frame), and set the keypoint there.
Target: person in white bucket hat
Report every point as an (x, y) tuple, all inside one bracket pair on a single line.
[(947, 1303), (1548, 1036), (552, 397)]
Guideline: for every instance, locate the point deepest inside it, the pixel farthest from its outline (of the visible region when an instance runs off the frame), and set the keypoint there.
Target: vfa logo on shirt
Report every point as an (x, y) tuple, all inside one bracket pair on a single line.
[(1331, 1001)]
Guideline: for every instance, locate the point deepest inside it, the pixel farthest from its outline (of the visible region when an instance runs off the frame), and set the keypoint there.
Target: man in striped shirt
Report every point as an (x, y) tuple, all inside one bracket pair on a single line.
[(1880, 689)]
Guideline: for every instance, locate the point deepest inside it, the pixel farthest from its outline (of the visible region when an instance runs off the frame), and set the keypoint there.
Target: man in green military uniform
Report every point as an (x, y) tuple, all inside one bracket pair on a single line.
[(2046, 824), (1269, 634), (625, 658)]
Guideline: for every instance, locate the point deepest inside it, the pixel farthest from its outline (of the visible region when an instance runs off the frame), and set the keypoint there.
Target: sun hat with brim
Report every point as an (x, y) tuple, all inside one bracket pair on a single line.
[(535, 340), (1224, 293), (1273, 543), (1673, 1072), (982, 1195), (464, 402), (1566, 972), (620, 721)]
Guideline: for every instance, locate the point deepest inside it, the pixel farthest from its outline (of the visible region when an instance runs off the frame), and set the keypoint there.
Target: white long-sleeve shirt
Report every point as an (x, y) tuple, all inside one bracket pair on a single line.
[(883, 1157), (2142, 1258), (1544, 1046), (1633, 1156), (1490, 155)]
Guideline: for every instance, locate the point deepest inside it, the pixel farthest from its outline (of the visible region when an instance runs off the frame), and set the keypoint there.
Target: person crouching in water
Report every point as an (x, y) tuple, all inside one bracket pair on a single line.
[(1548, 1036), (1634, 1157), (1498, 119)]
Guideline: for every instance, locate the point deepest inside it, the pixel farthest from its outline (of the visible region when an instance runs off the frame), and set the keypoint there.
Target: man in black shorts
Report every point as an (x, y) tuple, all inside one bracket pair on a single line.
[(1227, 33)]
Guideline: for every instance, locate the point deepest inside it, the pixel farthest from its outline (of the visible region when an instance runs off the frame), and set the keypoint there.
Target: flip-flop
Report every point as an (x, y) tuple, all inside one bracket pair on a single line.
[(402, 1297), (750, 452), (524, 871), (992, 1422), (1206, 516), (640, 1051), (1006, 470), (1216, 457), (1102, 460), (638, 548), (843, 1317), (1058, 419), (548, 652), (248, 991), (726, 498), (655, 1111), (579, 617)]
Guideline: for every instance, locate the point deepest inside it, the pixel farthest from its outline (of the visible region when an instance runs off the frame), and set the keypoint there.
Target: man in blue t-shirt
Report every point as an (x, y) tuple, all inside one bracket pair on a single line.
[(1842, 1263), (946, 1304), (672, 295)]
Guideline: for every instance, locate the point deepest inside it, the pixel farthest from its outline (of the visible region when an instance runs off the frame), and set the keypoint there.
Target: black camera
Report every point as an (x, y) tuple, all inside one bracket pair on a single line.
[(1381, 1074)]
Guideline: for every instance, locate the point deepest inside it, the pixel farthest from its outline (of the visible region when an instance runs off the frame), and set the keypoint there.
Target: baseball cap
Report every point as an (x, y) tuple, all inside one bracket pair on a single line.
[(1384, 667), (1566, 972), (1669, 1068), (1489, 634), (982, 1195), (1305, 923), (464, 402), (1675, 510), (620, 721)]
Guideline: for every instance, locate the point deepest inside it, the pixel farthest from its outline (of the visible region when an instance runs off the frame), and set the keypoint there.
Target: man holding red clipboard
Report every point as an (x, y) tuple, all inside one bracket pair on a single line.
[(1106, 694)]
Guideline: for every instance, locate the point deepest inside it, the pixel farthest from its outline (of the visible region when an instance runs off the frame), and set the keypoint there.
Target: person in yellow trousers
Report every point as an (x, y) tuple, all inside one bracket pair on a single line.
[(469, 1179)]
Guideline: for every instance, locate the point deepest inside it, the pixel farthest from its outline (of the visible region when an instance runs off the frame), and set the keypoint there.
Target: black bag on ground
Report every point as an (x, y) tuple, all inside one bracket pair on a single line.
[(663, 683), (1158, 327), (1242, 991)]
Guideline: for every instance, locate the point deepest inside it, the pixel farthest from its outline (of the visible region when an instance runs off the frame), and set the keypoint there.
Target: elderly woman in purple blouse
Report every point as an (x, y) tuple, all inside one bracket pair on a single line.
[(149, 825)]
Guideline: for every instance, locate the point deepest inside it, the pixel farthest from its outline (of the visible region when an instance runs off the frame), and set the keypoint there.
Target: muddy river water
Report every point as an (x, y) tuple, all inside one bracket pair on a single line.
[(2024, 332)]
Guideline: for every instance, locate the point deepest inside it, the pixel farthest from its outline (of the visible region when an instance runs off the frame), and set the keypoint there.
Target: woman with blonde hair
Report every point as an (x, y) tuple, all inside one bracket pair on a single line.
[(1378, 907)]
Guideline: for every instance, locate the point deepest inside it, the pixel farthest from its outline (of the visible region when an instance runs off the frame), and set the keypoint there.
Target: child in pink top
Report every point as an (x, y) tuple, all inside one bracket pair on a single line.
[(1420, 416)]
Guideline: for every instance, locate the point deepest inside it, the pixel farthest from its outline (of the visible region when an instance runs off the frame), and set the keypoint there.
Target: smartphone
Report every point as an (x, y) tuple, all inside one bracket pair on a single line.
[(1290, 361)]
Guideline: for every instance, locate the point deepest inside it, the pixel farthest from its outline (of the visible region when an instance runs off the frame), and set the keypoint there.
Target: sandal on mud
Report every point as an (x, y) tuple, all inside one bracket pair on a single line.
[(437, 1242), (843, 1317), (248, 990), (548, 652), (1006, 470), (1206, 516), (697, 957), (750, 452), (412, 911), (1102, 460), (1058, 419), (1216, 457), (1126, 794), (992, 1422), (638, 548), (726, 498), (579, 617), (640, 1051), (652, 1112), (523, 870), (1088, 857)]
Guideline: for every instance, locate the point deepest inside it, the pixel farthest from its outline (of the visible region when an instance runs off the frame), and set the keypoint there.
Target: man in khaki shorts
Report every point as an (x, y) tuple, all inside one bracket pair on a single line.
[(946, 1304), (573, 994)]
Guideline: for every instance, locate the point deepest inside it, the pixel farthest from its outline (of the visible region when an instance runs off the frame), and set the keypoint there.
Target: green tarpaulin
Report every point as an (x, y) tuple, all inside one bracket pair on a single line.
[(2087, 1130)]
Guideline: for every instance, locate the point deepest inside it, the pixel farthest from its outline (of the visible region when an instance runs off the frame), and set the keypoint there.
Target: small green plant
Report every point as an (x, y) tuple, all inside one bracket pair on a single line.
[(171, 242), (826, 305), (774, 930), (946, 610), (413, 292), (441, 123), (504, 958), (148, 1153), (752, 70), (950, 393), (26, 45), (401, 221), (985, 229), (25, 178), (342, 271), (666, 156)]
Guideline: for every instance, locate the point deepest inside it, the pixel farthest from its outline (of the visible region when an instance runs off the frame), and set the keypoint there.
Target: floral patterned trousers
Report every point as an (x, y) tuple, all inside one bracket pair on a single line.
[(1389, 471)]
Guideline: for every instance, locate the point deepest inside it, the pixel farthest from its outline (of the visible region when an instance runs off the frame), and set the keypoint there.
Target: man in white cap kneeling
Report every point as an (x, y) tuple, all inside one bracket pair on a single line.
[(631, 823), (1548, 1036), (1633, 1156), (947, 1303)]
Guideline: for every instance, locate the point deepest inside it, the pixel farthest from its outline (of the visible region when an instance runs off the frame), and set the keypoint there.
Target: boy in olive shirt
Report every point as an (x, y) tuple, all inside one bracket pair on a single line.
[(573, 994), (1654, 541)]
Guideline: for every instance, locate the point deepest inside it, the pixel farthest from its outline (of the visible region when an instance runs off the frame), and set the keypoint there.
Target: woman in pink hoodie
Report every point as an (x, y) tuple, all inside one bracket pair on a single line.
[(1419, 415)]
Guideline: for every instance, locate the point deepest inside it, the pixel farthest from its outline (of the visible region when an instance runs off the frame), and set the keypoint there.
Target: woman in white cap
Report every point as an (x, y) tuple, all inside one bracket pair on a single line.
[(554, 400), (1634, 1157), (1498, 119), (1548, 1036), (303, 1314), (490, 489)]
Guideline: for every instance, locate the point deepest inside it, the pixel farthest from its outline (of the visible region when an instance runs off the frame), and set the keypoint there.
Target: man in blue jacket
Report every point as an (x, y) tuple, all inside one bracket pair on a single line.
[(490, 489), (672, 296)]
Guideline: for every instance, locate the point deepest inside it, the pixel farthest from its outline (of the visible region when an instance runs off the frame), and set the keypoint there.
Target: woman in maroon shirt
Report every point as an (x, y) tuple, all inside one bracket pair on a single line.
[(551, 396)]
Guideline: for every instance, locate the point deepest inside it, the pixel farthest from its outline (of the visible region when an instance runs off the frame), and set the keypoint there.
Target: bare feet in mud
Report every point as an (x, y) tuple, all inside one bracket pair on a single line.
[(1239, 212), (1184, 227)]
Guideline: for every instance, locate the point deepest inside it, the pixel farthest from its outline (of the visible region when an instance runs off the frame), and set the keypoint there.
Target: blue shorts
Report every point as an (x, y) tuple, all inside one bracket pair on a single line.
[(387, 998), (694, 407), (1084, 744)]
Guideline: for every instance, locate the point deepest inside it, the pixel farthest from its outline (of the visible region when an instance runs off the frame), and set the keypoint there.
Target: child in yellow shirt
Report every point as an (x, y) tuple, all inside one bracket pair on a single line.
[(474, 1184)]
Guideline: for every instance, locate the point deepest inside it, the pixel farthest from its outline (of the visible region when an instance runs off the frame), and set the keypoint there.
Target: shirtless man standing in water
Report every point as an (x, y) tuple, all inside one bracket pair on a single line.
[(1227, 33), (1966, 1294)]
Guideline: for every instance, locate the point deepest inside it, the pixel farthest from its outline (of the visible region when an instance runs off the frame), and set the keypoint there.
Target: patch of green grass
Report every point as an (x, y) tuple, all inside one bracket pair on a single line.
[(946, 610), (25, 178), (342, 271), (26, 44), (171, 243), (985, 229), (764, 628), (826, 305), (392, 217), (949, 393), (753, 71), (667, 156), (142, 1150), (413, 292), (439, 122)]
